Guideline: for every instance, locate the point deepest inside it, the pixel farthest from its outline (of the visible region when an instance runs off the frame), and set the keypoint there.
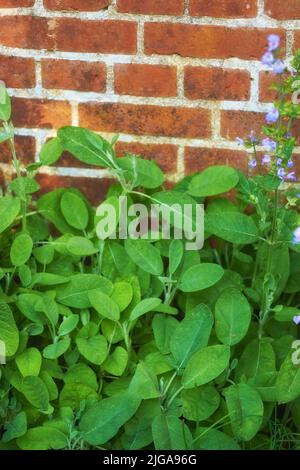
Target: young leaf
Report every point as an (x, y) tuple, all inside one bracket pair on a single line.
[(29, 362), (213, 180), (76, 292), (21, 249), (104, 305), (74, 210), (55, 350), (93, 349), (233, 316), (206, 365), (200, 277), (175, 255), (116, 362), (68, 325), (51, 151), (145, 306), (246, 410), (145, 255)]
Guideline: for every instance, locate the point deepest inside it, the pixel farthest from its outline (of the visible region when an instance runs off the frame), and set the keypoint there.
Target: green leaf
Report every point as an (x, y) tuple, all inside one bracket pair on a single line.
[(232, 227), (233, 316), (9, 209), (9, 334), (21, 249), (74, 210), (206, 365), (116, 362), (83, 374), (17, 427), (104, 305), (200, 403), (54, 351), (145, 306), (80, 246), (122, 294), (145, 255), (191, 334), (141, 172), (5, 105), (170, 433), (43, 438), (144, 383), (103, 420), (213, 180), (212, 439), (74, 394), (163, 329), (87, 146), (246, 411), (200, 276), (172, 205), (175, 255), (68, 325), (288, 381), (35, 391), (93, 349), (257, 364), (29, 362), (76, 292), (51, 151)]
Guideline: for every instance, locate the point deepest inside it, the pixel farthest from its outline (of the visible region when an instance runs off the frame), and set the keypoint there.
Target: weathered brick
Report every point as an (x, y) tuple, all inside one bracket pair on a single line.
[(31, 113), (240, 123), (266, 80), (145, 80), (17, 72), (145, 120), (68, 34), (25, 148), (165, 155), (74, 75), (95, 189), (79, 5), (107, 36), (206, 41), (224, 8), (289, 10), (16, 3), (151, 7), (297, 39), (216, 84), (197, 159)]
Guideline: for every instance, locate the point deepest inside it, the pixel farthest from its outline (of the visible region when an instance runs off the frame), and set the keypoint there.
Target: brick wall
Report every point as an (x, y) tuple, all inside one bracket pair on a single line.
[(178, 79)]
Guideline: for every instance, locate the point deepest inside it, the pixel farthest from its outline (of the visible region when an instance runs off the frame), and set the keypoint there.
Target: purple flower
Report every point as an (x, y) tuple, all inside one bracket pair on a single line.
[(274, 42), (252, 164), (266, 159), (272, 115), (240, 141), (296, 319), (296, 238), (281, 173), (270, 144), (291, 176), (290, 164), (253, 137), (278, 67), (279, 161), (268, 58)]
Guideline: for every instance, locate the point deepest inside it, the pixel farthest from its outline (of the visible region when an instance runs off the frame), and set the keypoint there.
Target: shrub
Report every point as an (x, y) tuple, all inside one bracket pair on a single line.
[(140, 343)]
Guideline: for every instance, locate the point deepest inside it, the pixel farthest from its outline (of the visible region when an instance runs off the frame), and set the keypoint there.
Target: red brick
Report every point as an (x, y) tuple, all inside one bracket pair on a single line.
[(107, 36), (38, 113), (266, 80), (240, 123), (25, 148), (216, 84), (197, 159), (28, 32), (16, 3), (289, 10), (206, 41), (224, 8), (95, 189), (17, 72), (79, 5), (165, 155), (297, 39), (68, 34), (145, 80), (145, 120), (151, 7), (74, 75)]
